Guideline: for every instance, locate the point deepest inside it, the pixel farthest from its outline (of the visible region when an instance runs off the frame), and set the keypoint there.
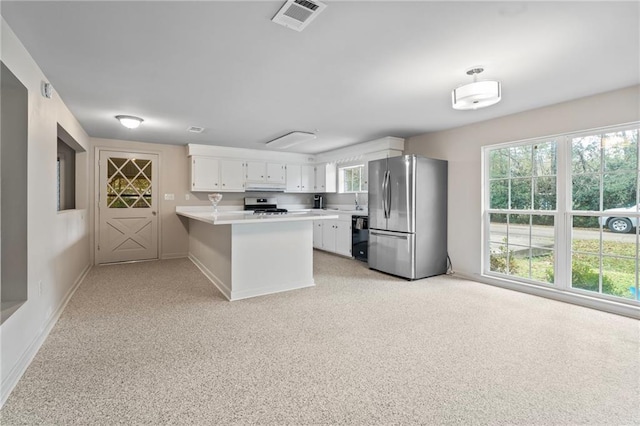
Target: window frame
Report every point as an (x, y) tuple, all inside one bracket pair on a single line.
[(563, 215), (342, 180)]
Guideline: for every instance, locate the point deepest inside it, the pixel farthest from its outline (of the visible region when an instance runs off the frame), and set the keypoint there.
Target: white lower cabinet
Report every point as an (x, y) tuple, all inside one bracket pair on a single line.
[(317, 234), (333, 235)]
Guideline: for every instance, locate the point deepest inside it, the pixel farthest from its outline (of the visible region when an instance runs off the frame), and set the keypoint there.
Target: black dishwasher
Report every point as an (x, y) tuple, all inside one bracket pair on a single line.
[(360, 237)]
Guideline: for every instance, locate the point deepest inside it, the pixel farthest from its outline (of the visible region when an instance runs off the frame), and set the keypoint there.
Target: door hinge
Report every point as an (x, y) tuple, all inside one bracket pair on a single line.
[(98, 247)]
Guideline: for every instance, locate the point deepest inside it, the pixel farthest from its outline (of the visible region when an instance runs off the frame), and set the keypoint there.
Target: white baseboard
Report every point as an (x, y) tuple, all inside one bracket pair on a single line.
[(263, 291), (174, 256), (21, 366), (226, 292)]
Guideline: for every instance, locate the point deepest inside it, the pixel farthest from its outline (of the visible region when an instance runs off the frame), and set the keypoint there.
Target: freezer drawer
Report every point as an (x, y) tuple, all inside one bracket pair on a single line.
[(392, 252)]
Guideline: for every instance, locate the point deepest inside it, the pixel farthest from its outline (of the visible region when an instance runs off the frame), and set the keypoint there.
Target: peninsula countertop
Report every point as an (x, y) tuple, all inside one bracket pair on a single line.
[(239, 217)]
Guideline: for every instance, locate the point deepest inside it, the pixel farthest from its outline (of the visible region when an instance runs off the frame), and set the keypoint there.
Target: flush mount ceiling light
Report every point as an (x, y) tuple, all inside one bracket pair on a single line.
[(291, 139), (478, 94), (129, 121)]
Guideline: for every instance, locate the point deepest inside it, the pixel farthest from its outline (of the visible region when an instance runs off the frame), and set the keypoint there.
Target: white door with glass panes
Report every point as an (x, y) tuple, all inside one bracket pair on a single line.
[(127, 207)]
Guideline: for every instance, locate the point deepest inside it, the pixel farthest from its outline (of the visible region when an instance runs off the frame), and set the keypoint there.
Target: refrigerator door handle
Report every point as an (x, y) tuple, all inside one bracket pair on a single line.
[(400, 237), (386, 194)]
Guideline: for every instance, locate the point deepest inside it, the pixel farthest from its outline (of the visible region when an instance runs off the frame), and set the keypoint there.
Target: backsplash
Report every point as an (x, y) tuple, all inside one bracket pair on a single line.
[(236, 199), (347, 199)]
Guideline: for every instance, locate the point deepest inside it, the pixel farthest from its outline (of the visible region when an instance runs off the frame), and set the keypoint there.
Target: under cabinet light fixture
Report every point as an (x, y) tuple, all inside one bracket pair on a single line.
[(129, 121), (291, 139), (478, 94)]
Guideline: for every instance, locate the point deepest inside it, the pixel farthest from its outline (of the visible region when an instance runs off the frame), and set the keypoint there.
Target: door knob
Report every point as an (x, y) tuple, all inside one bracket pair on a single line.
[(153, 213)]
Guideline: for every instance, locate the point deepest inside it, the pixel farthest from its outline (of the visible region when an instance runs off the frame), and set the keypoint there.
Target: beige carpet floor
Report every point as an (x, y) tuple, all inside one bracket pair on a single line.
[(155, 343)]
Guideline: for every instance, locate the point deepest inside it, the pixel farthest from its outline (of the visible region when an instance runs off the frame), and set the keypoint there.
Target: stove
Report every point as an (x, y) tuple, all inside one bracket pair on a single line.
[(264, 206), (270, 211)]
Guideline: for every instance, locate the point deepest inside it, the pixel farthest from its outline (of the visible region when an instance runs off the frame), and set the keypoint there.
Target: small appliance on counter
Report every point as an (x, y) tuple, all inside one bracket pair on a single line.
[(318, 202)]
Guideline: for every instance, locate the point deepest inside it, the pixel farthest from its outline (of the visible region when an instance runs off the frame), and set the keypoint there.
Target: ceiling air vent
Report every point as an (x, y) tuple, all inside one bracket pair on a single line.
[(297, 14)]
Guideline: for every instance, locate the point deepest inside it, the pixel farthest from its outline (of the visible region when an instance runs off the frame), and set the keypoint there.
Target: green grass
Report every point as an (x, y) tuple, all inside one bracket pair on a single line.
[(619, 273)]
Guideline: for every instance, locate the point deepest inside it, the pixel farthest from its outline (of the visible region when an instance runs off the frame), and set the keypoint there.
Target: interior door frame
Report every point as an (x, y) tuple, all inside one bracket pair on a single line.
[(96, 194)]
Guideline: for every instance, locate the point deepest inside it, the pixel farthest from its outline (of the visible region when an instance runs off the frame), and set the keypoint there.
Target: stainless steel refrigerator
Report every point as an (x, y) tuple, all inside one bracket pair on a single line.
[(408, 216)]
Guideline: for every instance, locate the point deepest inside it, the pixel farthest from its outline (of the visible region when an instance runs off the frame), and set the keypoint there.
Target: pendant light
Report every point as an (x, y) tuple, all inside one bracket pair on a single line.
[(478, 94)]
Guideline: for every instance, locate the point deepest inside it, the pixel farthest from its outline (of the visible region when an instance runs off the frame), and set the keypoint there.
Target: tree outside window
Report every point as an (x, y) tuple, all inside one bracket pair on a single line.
[(351, 178)]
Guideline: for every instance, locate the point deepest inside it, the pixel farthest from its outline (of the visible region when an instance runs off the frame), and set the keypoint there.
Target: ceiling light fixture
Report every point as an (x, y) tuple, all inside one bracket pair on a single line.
[(291, 139), (478, 94), (129, 121)]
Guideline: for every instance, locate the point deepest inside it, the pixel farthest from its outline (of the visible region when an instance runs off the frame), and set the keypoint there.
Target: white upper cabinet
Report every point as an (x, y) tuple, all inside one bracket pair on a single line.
[(320, 179), (232, 175), (260, 171), (294, 178), (205, 174), (256, 171), (307, 178), (325, 178), (214, 174), (300, 178), (276, 173)]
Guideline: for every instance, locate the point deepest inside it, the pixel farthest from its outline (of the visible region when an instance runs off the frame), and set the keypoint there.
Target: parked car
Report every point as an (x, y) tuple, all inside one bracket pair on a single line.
[(619, 221)]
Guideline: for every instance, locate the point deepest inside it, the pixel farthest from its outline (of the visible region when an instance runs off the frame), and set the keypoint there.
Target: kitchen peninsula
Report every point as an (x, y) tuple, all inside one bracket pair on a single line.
[(247, 255)]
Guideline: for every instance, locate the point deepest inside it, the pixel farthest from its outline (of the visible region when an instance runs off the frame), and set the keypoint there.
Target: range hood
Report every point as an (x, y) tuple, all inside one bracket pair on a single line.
[(264, 187)]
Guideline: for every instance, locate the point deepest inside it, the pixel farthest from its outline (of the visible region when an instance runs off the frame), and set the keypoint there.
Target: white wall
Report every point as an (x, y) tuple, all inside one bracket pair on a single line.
[(58, 243), (462, 148)]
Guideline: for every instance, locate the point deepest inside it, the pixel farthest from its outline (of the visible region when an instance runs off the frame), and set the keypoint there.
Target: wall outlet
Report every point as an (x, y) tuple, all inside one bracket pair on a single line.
[(169, 197), (187, 197)]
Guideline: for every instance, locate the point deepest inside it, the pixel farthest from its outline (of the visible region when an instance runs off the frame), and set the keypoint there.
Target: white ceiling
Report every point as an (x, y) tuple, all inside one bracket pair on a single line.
[(360, 71)]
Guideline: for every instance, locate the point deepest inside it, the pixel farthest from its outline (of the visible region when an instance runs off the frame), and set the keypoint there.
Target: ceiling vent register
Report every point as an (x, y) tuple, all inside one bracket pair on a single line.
[(297, 14)]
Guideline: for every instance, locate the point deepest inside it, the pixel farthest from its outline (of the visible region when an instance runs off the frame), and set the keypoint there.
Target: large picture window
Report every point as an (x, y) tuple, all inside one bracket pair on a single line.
[(563, 212)]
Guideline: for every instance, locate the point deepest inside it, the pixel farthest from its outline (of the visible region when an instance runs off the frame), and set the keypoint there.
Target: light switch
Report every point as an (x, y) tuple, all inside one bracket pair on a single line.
[(169, 197)]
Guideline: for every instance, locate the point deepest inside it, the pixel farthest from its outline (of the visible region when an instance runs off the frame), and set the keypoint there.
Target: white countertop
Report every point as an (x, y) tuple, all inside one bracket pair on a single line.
[(238, 217)]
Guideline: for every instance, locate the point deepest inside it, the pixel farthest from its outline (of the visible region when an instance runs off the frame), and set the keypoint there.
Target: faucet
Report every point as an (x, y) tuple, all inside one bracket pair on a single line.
[(358, 206)]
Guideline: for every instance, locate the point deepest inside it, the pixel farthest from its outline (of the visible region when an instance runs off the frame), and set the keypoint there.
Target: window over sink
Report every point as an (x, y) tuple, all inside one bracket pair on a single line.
[(351, 179)]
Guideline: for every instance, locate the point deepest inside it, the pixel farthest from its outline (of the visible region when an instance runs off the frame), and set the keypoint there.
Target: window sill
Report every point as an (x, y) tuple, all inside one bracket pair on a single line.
[(624, 309), (9, 308)]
